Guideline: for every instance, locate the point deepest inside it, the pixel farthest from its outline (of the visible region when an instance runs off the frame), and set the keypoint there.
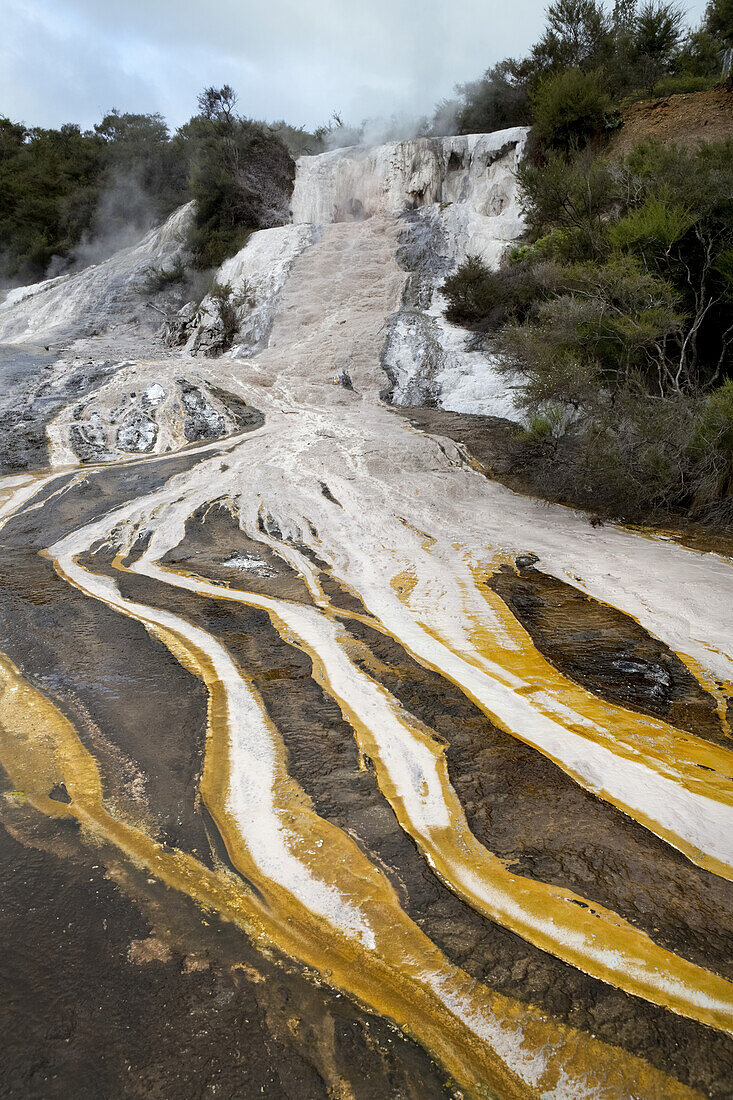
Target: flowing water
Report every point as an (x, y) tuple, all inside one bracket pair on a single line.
[(334, 768)]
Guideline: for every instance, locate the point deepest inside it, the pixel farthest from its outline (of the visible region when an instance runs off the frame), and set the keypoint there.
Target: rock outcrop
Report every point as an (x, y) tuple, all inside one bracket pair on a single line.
[(82, 303)]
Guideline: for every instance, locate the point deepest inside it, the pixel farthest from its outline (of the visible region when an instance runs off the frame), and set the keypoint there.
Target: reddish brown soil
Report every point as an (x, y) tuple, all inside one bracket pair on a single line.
[(684, 119)]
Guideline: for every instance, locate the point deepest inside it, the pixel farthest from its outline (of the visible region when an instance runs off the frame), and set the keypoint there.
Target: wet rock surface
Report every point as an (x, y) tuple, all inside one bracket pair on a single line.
[(612, 860), (121, 421), (127, 989), (524, 810), (157, 995), (34, 386), (607, 651), (215, 546), (244, 1023)]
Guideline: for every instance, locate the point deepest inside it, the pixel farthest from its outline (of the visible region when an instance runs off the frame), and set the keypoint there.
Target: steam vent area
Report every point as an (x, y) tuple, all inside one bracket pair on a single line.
[(333, 768)]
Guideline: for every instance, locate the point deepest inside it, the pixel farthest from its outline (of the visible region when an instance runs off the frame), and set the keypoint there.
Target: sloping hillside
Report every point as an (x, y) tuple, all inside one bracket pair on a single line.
[(685, 119)]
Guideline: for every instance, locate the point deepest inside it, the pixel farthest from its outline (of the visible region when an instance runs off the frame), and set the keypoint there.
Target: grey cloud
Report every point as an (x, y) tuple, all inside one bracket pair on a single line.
[(64, 60)]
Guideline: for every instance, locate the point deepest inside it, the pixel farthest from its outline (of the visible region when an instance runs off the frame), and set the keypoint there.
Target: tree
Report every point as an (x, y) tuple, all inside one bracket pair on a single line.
[(495, 102), (217, 104), (145, 173), (241, 177), (49, 186), (132, 130), (657, 36), (718, 21), (576, 36)]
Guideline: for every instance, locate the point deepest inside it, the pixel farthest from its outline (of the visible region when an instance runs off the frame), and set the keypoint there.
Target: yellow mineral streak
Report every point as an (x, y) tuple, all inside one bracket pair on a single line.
[(695, 764), (586, 935), (493, 660), (720, 690), (39, 747), (491, 1045), (396, 979)]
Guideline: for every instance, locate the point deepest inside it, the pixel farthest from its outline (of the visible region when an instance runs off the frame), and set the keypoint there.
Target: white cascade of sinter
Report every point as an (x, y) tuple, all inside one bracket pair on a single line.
[(101, 295), (456, 196), (452, 197)]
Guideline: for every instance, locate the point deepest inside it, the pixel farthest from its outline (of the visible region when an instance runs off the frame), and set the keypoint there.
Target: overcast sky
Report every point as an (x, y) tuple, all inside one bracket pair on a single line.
[(72, 60)]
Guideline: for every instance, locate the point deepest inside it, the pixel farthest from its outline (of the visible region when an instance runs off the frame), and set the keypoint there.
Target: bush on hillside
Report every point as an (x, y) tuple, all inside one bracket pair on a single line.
[(487, 299), (226, 305), (156, 279), (619, 310), (677, 84), (570, 109), (574, 197), (241, 178)]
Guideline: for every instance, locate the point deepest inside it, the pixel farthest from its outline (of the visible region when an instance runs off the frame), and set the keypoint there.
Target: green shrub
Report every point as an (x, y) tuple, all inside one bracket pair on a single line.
[(712, 452), (657, 222), (576, 196), (570, 109), (558, 244), (486, 298), (547, 424), (242, 178), (674, 84), (156, 279), (471, 292)]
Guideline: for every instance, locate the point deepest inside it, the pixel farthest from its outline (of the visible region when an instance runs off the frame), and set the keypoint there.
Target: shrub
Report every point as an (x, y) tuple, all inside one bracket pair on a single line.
[(558, 244), (656, 223), (484, 298), (156, 279), (619, 312), (227, 304), (712, 451), (570, 109), (549, 423), (575, 196), (677, 84)]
